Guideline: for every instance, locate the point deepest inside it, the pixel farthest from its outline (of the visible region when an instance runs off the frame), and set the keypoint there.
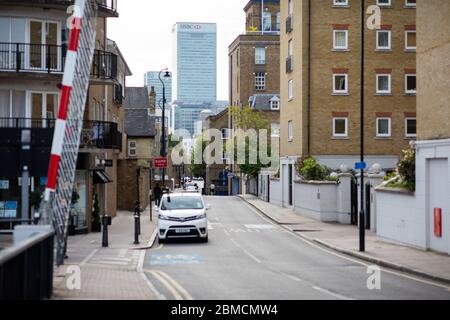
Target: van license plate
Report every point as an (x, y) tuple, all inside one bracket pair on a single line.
[(183, 230)]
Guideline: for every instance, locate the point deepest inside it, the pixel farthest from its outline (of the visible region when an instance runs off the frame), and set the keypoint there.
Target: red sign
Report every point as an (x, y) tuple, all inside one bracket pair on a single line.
[(160, 163), (438, 222)]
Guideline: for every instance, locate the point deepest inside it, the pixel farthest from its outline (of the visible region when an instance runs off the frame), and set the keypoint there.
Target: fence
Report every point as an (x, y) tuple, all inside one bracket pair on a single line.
[(26, 269)]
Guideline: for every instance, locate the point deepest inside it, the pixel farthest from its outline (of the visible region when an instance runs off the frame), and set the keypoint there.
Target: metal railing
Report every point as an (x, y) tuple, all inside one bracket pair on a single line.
[(110, 5), (26, 269), (95, 134), (45, 58), (289, 25), (289, 64)]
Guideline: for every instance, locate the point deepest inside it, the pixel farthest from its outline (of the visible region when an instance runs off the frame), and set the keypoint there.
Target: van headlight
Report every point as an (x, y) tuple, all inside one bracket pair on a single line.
[(201, 216), (163, 217)]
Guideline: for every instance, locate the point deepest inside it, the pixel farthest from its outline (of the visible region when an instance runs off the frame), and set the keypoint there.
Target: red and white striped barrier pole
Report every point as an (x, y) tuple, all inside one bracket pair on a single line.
[(63, 111)]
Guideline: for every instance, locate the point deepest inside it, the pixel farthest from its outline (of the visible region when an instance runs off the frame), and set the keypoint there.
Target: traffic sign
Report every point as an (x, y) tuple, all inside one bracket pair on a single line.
[(360, 166), (160, 163)]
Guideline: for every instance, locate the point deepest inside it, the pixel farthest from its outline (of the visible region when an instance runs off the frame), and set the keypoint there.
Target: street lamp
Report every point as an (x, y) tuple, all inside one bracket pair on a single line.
[(362, 218), (163, 152)]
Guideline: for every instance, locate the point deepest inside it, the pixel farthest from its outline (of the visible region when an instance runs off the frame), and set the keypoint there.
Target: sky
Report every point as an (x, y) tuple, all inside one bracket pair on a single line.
[(143, 33)]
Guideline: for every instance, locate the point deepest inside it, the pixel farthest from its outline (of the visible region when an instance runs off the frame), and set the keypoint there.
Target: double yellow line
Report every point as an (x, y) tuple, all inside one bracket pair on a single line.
[(177, 291)]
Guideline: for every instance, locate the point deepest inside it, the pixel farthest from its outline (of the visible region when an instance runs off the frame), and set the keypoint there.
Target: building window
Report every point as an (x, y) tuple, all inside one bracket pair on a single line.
[(260, 81), (275, 103), (410, 3), (340, 39), (385, 3), (275, 129), (383, 127), (267, 21), (383, 83), (340, 3), (410, 84), (225, 133), (410, 127), (340, 127), (290, 131), (290, 48), (132, 149), (290, 7), (340, 83), (383, 39), (260, 55), (410, 40), (278, 21), (291, 89)]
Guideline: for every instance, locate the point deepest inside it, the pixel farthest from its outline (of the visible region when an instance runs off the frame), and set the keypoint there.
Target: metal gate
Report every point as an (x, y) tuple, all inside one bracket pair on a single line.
[(354, 201), (368, 198)]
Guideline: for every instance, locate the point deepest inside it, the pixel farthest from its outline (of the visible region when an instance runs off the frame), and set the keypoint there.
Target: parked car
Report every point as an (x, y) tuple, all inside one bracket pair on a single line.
[(191, 187), (182, 215)]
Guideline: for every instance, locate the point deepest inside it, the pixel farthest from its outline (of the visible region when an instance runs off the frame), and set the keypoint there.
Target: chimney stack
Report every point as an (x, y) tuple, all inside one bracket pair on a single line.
[(152, 100)]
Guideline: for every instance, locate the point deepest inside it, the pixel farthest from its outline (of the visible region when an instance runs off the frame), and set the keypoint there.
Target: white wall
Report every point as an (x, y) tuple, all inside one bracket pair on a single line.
[(275, 192), (317, 200), (398, 220)]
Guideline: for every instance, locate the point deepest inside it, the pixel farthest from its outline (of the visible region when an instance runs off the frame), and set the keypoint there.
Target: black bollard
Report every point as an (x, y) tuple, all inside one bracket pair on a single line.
[(106, 221), (137, 211), (136, 228)]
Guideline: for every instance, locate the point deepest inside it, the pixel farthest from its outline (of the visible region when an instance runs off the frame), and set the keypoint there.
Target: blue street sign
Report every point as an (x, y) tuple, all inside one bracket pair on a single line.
[(360, 166)]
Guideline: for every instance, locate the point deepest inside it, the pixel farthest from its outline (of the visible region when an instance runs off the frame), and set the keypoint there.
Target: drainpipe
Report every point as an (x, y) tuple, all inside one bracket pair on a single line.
[(262, 17)]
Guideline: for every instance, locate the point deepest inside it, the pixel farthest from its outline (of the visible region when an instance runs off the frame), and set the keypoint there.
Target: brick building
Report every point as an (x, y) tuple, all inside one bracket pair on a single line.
[(320, 83), (254, 63), (135, 159)]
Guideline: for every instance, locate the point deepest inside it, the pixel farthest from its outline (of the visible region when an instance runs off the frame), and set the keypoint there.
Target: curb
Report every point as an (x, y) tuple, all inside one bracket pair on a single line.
[(380, 262)]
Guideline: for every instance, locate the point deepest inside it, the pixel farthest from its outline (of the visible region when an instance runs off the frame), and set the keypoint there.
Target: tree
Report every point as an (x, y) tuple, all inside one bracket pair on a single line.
[(248, 119)]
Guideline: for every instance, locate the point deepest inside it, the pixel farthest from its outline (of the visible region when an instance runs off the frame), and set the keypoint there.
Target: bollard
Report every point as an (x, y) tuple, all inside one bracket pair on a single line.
[(106, 221), (137, 210), (136, 230), (151, 208)]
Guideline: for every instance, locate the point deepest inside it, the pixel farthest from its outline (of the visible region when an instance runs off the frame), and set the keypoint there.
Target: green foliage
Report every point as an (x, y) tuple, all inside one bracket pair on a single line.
[(311, 170), (407, 169)]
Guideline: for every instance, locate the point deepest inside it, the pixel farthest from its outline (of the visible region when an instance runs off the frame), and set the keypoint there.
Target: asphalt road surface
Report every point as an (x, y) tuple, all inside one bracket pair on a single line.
[(250, 258)]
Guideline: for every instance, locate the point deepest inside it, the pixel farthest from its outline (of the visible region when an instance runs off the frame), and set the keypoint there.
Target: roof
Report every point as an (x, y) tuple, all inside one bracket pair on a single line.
[(138, 123), (262, 101), (137, 97)]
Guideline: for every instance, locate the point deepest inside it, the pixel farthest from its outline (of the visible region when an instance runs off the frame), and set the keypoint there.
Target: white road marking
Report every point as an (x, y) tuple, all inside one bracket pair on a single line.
[(246, 252), (291, 277), (89, 257), (288, 231), (157, 294), (260, 226), (336, 295), (123, 253)]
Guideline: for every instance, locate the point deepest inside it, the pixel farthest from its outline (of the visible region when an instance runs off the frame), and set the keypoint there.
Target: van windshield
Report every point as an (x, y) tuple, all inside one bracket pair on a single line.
[(182, 203)]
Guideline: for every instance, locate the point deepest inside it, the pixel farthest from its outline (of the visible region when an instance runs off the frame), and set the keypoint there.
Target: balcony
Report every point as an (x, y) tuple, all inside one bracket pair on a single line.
[(289, 64), (106, 8), (289, 26), (38, 59), (95, 134)]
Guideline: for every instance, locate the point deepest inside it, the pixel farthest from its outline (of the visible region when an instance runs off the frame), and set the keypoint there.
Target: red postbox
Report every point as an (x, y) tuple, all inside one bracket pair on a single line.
[(438, 222)]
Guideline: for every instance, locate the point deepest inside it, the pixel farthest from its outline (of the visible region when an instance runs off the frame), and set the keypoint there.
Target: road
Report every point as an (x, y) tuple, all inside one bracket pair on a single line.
[(250, 258)]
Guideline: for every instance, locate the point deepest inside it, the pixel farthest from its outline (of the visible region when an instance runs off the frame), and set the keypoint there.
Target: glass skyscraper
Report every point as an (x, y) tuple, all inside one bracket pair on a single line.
[(195, 61)]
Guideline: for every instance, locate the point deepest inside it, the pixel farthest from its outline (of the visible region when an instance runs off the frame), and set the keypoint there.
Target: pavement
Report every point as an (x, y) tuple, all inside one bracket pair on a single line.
[(251, 257), (345, 239), (113, 273)]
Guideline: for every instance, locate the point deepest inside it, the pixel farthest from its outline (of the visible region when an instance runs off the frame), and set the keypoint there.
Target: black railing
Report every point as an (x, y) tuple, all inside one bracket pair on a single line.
[(95, 134), (110, 5), (289, 64), (26, 57), (289, 26), (26, 269)]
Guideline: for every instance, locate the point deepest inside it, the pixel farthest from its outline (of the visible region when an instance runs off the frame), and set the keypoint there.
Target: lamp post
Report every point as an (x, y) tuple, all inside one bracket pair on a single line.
[(362, 218), (163, 152)]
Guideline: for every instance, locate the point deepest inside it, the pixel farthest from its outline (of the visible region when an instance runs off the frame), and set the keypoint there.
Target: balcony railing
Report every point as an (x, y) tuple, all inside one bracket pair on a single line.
[(39, 58), (95, 134), (289, 26), (289, 64), (106, 5)]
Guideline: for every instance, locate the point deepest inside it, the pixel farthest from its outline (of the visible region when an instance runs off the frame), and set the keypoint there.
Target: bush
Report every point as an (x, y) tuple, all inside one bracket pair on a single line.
[(313, 171), (407, 169)]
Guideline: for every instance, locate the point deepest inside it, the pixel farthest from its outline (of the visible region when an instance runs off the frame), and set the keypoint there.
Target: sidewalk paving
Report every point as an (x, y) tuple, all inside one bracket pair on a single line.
[(108, 273), (345, 239)]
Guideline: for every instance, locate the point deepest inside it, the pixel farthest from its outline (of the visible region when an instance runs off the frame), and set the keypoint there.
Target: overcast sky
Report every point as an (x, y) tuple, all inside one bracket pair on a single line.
[(144, 32)]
